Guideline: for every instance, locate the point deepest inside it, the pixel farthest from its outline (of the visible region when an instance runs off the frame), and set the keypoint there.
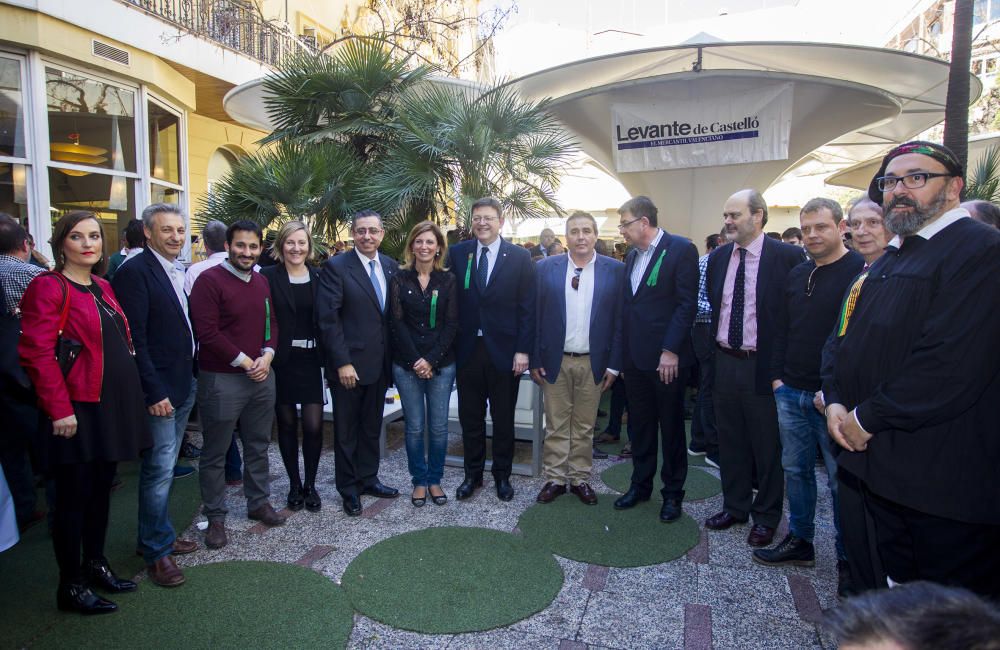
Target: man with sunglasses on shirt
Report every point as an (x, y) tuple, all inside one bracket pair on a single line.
[(577, 353)]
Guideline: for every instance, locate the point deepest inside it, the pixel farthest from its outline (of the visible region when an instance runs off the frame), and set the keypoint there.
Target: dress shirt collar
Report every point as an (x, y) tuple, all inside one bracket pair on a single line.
[(167, 265), (494, 248), (218, 256), (755, 247), (936, 226), (572, 265), (12, 259), (653, 244), (365, 259)]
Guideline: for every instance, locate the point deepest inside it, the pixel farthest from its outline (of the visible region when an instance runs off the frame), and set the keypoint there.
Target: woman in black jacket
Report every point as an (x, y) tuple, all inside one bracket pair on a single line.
[(297, 362)]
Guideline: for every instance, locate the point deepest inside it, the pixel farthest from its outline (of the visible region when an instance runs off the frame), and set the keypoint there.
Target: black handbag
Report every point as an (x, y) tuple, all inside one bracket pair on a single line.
[(67, 350)]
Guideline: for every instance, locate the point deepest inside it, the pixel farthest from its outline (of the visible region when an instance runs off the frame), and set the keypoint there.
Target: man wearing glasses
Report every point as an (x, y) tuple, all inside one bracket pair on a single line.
[(915, 380), (496, 333), (353, 327), (661, 299), (577, 353), (806, 315)]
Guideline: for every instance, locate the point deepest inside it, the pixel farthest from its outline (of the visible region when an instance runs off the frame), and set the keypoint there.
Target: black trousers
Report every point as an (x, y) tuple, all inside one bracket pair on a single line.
[(478, 381), (656, 420), (703, 430), (748, 435), (857, 531), (19, 431), (357, 419), (83, 495), (915, 545)]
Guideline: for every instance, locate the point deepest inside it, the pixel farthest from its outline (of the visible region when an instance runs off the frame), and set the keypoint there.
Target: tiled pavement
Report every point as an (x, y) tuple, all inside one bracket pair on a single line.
[(715, 596)]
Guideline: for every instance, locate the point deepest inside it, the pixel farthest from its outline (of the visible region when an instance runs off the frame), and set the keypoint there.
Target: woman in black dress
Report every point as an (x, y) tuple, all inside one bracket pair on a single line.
[(297, 363), (96, 405)]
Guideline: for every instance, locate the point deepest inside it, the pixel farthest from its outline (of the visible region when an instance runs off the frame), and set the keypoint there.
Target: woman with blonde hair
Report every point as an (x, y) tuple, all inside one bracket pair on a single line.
[(297, 362), (423, 300), (77, 348)]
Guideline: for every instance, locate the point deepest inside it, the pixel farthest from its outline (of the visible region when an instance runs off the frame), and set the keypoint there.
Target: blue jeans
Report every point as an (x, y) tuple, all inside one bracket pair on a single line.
[(156, 474), (425, 400), (802, 427)]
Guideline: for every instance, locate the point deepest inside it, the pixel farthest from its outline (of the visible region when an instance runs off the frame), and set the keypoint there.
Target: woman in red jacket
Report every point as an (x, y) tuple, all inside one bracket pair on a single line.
[(97, 411)]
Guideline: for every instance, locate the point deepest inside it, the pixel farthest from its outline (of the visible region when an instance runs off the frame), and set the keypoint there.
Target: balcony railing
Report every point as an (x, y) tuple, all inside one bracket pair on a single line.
[(235, 24)]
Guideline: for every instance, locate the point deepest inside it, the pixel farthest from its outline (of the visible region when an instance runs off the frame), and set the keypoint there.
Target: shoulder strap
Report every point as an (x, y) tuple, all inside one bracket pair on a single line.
[(64, 310)]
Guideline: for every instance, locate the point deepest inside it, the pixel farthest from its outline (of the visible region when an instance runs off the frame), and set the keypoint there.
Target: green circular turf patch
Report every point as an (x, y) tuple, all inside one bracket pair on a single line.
[(699, 484), (615, 448), (605, 536), (449, 580), (224, 605)]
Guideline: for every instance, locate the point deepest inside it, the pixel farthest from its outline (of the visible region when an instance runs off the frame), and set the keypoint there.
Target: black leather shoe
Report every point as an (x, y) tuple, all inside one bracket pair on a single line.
[(791, 551), (671, 510), (352, 505), (629, 500), (505, 491), (311, 498), (418, 502), (440, 499), (845, 582), (376, 489), (468, 487), (100, 575), (296, 498), (79, 598)]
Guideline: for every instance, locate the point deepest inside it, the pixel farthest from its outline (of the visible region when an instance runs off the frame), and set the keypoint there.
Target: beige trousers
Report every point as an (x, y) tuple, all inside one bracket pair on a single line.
[(570, 413)]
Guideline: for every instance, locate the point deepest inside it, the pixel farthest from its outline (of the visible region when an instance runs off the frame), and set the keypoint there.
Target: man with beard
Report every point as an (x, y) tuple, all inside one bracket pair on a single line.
[(237, 333), (916, 379)]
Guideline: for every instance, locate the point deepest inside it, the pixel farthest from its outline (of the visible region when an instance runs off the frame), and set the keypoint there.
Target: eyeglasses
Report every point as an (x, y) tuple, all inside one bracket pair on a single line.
[(484, 219), (809, 283), (576, 278), (367, 231), (623, 226), (913, 181)]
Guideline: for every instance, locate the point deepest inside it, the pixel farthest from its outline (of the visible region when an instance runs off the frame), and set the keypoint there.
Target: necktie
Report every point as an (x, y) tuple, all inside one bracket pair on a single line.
[(378, 288), (739, 296), (483, 270)]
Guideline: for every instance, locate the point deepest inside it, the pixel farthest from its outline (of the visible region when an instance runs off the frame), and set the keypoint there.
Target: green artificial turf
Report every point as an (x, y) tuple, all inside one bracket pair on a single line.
[(223, 605), (605, 536), (699, 484), (28, 572), (450, 580)]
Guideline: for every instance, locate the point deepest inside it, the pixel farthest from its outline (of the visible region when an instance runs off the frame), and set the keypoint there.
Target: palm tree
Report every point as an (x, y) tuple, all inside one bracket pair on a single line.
[(956, 113), (983, 181), (361, 129)]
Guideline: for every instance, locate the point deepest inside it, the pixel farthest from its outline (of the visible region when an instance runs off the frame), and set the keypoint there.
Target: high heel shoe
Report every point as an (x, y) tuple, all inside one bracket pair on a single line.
[(312, 500), (77, 597), (418, 502), (100, 575), (295, 499), (438, 499)]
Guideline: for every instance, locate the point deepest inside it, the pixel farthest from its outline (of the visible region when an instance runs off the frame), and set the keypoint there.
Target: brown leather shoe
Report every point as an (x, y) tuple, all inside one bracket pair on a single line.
[(760, 535), (722, 521), (626, 451), (266, 515), (586, 493), (550, 491), (165, 572), (215, 537), (184, 546)]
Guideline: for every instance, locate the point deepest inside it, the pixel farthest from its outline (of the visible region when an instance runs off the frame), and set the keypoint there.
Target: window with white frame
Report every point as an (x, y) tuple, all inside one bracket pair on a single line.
[(15, 160)]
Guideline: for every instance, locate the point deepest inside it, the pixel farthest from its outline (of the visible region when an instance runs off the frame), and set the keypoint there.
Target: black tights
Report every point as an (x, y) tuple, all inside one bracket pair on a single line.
[(83, 494), (312, 440)]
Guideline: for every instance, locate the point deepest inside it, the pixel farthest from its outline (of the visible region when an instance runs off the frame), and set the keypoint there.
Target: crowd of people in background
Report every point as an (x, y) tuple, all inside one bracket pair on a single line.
[(866, 340)]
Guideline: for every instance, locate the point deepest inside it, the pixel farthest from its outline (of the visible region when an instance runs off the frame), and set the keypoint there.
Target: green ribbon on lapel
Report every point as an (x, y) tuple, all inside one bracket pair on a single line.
[(468, 271), (654, 275), (434, 308), (267, 320)]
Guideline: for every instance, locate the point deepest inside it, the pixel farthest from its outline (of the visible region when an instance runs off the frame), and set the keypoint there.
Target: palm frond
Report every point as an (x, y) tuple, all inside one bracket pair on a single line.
[(983, 183)]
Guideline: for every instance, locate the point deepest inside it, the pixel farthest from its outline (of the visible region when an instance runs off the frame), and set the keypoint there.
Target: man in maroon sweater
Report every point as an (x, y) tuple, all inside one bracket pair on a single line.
[(237, 333)]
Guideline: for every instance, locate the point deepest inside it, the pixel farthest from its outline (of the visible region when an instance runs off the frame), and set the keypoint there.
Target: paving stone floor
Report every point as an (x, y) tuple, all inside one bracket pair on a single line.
[(715, 596)]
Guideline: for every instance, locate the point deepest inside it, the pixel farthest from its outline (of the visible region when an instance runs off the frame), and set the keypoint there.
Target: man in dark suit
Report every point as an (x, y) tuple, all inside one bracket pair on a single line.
[(353, 328), (151, 291), (660, 304), (496, 333), (746, 280), (577, 353)]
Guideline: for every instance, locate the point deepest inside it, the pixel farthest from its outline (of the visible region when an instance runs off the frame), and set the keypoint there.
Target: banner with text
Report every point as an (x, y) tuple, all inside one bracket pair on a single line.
[(703, 131)]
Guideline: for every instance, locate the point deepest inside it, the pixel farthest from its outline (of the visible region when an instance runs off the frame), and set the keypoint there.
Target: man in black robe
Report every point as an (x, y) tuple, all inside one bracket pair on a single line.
[(916, 379)]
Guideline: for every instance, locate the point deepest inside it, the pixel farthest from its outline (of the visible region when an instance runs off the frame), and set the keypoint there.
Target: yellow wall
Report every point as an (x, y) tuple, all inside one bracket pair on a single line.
[(329, 14), (37, 31), (205, 135)]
